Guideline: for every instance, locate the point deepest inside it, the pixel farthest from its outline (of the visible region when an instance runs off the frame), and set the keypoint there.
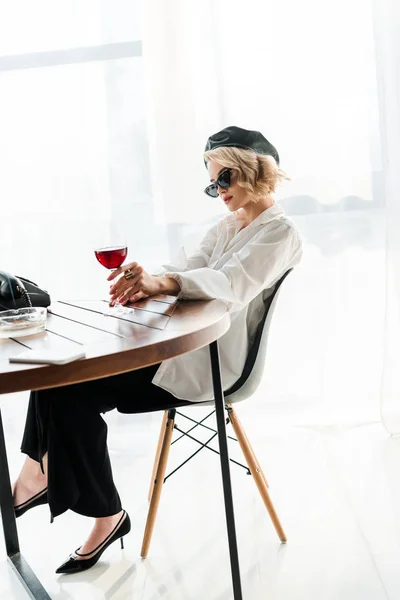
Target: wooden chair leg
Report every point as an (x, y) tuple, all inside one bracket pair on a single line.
[(158, 482), (247, 441), (158, 452), (256, 471)]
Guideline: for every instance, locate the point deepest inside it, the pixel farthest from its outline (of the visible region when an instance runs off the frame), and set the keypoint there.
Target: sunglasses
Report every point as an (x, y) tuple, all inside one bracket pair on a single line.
[(223, 180)]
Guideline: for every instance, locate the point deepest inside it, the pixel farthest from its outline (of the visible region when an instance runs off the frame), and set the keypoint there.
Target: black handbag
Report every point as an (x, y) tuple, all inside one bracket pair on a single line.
[(17, 292)]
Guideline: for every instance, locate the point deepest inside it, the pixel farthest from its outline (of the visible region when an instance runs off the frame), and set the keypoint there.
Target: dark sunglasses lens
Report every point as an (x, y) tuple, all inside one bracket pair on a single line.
[(224, 180), (212, 190)]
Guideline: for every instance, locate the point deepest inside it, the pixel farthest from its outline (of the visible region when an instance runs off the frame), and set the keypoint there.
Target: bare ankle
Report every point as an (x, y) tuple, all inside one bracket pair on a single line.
[(32, 469), (105, 521), (30, 481), (103, 526)]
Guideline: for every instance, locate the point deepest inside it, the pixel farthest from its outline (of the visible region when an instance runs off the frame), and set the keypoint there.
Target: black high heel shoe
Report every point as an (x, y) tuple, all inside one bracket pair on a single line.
[(73, 565), (37, 500)]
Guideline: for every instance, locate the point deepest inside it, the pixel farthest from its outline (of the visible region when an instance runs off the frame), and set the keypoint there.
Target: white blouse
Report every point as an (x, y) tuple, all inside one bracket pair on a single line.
[(241, 268)]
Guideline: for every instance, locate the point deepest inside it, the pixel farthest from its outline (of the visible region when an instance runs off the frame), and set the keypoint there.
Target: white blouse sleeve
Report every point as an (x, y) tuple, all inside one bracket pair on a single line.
[(200, 257), (255, 267)]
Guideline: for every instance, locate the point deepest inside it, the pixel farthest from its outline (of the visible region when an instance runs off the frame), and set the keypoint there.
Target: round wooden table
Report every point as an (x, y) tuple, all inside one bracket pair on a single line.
[(156, 329), (153, 330)]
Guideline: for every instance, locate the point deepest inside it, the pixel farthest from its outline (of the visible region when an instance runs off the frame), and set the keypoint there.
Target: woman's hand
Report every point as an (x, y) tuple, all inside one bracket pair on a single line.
[(137, 297), (140, 285)]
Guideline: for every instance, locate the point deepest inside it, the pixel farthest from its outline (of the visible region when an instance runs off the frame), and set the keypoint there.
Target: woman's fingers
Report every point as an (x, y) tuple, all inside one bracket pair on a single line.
[(138, 296), (134, 298), (131, 289), (114, 274), (123, 283), (125, 290), (130, 297), (120, 270), (130, 286), (125, 295)]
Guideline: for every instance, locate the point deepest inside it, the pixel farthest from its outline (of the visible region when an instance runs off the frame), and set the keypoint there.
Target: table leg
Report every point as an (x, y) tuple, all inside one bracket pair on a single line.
[(22, 569), (226, 478)]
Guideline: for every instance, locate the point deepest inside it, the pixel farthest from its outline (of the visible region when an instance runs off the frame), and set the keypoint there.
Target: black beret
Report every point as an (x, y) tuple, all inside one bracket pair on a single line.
[(242, 138)]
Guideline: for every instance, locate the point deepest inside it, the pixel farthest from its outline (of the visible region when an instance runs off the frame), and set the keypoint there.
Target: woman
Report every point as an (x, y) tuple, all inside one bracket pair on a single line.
[(239, 261)]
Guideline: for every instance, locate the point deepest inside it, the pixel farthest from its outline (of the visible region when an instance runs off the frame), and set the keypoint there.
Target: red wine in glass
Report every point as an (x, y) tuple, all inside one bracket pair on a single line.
[(111, 257)]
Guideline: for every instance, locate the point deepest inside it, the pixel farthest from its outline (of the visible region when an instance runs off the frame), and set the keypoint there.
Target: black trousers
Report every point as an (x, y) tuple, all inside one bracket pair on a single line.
[(66, 423)]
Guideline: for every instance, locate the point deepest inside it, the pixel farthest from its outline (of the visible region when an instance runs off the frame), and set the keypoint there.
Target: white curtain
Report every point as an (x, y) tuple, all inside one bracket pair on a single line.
[(103, 120), (387, 31), (303, 73), (73, 143)]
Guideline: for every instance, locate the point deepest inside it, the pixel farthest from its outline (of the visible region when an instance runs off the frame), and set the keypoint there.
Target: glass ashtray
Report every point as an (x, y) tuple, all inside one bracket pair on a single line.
[(21, 322)]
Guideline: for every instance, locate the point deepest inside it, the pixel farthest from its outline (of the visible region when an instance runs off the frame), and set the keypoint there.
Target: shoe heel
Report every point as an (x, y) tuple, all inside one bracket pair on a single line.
[(122, 543)]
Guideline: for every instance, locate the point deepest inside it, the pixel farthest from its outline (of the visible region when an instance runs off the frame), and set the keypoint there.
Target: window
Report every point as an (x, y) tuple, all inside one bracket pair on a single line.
[(74, 149)]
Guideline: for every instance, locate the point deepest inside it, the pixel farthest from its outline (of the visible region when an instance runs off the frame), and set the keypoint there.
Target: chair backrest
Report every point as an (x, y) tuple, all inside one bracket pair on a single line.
[(253, 369)]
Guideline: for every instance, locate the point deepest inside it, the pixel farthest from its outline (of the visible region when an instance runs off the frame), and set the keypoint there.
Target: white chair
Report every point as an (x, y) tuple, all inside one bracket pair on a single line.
[(243, 389)]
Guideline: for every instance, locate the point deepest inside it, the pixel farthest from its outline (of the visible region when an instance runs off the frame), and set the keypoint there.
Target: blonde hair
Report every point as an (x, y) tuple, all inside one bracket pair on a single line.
[(259, 174)]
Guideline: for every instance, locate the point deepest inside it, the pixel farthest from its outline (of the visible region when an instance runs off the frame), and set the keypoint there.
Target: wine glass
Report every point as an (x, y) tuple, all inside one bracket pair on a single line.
[(112, 256)]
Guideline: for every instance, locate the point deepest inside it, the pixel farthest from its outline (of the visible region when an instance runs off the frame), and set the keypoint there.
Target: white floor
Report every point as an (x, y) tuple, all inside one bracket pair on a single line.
[(314, 424), (336, 491)]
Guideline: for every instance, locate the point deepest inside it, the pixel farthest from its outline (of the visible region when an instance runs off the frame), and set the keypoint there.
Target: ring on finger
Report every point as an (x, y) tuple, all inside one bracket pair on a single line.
[(128, 274)]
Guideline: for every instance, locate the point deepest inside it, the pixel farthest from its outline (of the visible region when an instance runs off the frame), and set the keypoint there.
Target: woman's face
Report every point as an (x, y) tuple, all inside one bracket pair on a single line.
[(234, 197)]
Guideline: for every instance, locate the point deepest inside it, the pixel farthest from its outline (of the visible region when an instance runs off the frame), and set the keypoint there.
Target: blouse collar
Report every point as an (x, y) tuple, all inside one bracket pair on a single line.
[(273, 212)]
